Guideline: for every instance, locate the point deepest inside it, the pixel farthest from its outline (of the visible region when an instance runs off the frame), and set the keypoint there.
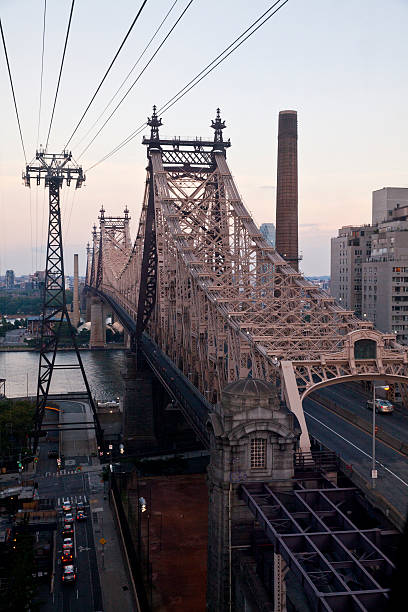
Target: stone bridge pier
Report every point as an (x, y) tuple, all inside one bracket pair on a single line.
[(253, 439), (98, 326), (138, 410)]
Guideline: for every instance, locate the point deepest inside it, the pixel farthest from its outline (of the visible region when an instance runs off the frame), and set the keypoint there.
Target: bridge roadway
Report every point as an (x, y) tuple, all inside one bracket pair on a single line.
[(194, 406), (354, 446)]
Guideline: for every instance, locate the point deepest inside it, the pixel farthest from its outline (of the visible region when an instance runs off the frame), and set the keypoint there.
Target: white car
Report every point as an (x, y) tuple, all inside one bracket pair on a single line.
[(382, 406)]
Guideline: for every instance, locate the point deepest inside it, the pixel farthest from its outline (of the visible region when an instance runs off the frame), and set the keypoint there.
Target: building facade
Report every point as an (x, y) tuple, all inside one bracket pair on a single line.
[(348, 252), (369, 264)]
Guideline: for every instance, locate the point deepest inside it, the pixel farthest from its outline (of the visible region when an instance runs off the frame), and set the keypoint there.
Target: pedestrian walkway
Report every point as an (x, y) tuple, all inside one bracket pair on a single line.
[(116, 592)]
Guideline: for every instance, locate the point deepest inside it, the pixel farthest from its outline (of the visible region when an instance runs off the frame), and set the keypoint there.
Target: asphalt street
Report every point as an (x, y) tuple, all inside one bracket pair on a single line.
[(395, 423), (354, 446), (85, 595)]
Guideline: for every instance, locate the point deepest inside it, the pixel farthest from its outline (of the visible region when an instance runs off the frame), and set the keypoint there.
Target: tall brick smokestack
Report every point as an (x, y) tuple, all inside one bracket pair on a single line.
[(287, 189)]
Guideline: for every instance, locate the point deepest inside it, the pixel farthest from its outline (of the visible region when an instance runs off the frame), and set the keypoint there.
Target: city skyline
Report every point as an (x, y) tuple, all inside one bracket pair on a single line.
[(350, 134)]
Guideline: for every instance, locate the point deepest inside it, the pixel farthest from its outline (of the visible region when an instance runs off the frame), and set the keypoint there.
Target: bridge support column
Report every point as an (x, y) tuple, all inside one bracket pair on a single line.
[(88, 305), (98, 331), (138, 415), (252, 438), (279, 593)]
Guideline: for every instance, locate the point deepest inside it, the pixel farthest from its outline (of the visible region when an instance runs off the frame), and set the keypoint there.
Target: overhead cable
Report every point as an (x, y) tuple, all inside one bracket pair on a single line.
[(60, 72), (12, 90), (200, 76), (137, 78), (106, 73), (129, 73), (42, 72)]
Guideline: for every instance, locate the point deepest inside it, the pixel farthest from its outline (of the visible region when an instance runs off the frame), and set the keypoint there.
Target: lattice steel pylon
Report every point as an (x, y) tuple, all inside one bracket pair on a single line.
[(54, 169)]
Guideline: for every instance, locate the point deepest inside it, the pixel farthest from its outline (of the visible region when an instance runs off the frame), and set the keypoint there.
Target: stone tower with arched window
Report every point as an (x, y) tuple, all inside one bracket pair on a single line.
[(253, 439)]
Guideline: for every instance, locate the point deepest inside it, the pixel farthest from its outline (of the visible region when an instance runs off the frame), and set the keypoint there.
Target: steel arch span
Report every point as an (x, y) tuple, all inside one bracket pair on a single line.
[(202, 281)]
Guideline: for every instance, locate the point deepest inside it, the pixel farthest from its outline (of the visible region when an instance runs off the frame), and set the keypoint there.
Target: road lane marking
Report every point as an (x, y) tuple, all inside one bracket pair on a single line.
[(356, 447)]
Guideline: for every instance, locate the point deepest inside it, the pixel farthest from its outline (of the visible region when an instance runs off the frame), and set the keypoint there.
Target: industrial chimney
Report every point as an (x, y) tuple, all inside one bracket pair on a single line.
[(287, 189)]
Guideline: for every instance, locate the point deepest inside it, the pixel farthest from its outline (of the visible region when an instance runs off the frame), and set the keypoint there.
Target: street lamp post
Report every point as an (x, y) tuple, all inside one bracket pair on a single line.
[(373, 470), (374, 473)]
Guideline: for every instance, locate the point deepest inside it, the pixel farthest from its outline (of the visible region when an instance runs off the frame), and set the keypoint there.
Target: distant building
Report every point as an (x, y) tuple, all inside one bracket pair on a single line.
[(387, 199), (9, 279), (369, 265), (268, 232)]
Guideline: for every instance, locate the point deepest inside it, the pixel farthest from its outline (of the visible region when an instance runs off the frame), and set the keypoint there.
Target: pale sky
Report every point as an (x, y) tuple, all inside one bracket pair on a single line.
[(341, 64)]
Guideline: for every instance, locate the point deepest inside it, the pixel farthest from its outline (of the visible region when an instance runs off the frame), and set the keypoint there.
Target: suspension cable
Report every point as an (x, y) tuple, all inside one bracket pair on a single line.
[(60, 72), (137, 78), (42, 72), (200, 76), (12, 90), (106, 73), (128, 75)]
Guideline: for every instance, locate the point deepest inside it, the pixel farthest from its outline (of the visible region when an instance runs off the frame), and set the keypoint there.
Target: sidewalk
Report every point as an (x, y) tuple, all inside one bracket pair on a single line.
[(116, 593)]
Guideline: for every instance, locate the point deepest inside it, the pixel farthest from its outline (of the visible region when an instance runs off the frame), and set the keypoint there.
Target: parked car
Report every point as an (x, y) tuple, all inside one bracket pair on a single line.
[(382, 406), (68, 573)]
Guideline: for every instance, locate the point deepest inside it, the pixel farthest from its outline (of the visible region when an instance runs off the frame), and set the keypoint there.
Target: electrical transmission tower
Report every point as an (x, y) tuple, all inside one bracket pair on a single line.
[(54, 170)]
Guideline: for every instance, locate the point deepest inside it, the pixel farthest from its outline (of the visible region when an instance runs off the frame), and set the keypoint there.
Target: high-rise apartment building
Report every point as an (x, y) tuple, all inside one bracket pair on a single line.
[(348, 252), (385, 200), (369, 264), (268, 232)]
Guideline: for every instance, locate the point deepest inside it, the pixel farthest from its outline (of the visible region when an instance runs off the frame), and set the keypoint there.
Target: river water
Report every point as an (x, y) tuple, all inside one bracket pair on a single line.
[(103, 370)]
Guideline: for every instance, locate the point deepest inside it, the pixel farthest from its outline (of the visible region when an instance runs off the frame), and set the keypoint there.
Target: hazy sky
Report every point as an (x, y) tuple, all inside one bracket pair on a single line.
[(341, 64)]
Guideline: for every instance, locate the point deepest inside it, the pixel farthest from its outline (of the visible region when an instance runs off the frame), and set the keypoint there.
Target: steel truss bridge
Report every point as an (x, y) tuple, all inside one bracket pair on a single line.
[(209, 301)]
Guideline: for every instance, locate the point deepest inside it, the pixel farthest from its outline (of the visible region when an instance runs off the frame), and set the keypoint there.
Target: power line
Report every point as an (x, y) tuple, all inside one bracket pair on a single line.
[(42, 72), (200, 76), (106, 73), (137, 78), (129, 73), (12, 90), (60, 72)]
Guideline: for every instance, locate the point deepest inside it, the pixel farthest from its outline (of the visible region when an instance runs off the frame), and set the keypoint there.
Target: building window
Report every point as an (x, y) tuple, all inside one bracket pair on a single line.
[(258, 453)]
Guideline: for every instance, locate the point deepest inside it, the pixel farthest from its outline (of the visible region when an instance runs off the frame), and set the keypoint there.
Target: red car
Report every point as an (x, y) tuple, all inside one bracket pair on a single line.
[(67, 557)]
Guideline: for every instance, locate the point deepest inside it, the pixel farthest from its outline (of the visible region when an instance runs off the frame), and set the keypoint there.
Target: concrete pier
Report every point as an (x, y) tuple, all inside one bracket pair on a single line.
[(98, 331), (138, 413)]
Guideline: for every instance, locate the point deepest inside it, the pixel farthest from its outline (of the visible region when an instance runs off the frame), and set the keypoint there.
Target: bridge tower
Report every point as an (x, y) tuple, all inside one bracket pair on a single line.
[(253, 436)]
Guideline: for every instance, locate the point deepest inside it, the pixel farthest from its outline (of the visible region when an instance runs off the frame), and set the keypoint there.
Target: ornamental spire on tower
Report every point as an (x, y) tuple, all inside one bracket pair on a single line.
[(218, 125), (154, 123)]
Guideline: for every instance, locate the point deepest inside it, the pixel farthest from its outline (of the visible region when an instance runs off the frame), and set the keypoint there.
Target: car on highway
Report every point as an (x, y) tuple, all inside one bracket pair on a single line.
[(52, 453), (68, 529), (66, 505), (68, 573), (67, 556), (67, 544), (382, 406), (81, 516), (69, 518)]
